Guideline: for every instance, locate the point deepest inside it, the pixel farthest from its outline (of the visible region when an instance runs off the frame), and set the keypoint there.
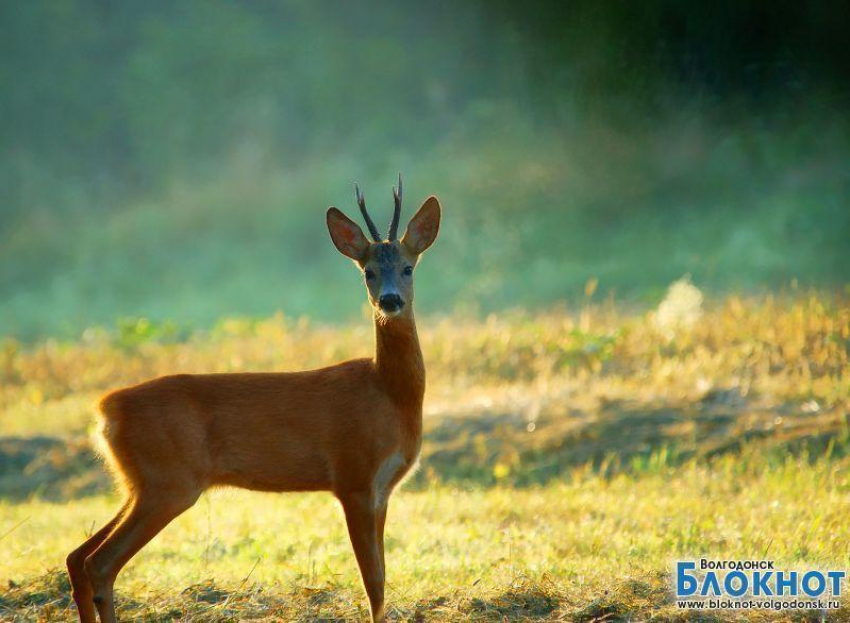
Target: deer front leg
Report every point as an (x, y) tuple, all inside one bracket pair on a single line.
[(362, 519), (380, 522)]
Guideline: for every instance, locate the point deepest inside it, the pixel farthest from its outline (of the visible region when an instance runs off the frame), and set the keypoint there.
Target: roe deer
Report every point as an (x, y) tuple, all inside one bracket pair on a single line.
[(353, 429)]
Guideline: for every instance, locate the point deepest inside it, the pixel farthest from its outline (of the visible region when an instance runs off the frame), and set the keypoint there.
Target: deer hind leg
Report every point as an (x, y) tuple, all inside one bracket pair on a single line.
[(81, 589), (361, 517), (148, 514)]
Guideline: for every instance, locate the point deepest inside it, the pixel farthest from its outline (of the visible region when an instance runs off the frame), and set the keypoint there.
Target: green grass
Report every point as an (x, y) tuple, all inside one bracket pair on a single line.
[(570, 550), (569, 459)]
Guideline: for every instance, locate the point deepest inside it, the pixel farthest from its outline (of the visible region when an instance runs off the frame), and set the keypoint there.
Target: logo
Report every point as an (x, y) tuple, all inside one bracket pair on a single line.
[(754, 584)]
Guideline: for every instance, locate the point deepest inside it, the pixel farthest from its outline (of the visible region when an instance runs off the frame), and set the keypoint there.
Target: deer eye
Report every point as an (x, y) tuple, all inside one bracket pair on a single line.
[(370, 274), (408, 270)]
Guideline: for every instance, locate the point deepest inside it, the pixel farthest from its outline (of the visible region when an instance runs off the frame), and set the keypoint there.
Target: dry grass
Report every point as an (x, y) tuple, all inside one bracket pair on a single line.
[(569, 458), (573, 550)]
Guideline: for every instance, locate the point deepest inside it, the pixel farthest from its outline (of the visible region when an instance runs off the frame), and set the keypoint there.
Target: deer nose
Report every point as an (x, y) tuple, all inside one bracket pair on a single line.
[(390, 303)]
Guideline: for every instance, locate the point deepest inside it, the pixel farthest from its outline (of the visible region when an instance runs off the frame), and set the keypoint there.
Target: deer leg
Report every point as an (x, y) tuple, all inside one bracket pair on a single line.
[(81, 589), (146, 517), (380, 521), (361, 517)]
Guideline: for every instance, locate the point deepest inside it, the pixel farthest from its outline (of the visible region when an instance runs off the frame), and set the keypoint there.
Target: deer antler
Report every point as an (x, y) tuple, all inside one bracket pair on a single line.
[(393, 232), (361, 201)]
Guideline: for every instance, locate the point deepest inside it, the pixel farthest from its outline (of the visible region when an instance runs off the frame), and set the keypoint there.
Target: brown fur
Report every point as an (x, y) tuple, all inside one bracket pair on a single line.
[(299, 431), (347, 429)]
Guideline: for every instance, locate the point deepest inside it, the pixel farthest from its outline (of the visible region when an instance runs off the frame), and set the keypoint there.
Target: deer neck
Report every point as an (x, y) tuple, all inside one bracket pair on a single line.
[(398, 360)]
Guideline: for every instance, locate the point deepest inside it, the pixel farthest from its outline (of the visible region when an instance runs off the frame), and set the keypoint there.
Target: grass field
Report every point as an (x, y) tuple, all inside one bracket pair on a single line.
[(569, 458)]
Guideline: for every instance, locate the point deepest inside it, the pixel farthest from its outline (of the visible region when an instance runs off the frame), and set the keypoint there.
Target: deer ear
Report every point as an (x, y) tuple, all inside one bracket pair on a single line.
[(346, 235), (423, 227)]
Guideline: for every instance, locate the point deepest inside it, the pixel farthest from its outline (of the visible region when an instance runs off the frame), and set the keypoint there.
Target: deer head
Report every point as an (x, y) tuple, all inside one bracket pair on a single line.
[(387, 265)]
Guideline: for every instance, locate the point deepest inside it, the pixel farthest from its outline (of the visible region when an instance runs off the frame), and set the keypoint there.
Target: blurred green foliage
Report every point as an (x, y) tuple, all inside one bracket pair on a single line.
[(173, 160)]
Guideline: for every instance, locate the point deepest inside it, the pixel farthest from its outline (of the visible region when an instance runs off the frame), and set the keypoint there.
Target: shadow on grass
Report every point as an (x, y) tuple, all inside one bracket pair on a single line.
[(486, 449), (47, 597), (50, 468), (50, 591), (508, 449), (524, 604)]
